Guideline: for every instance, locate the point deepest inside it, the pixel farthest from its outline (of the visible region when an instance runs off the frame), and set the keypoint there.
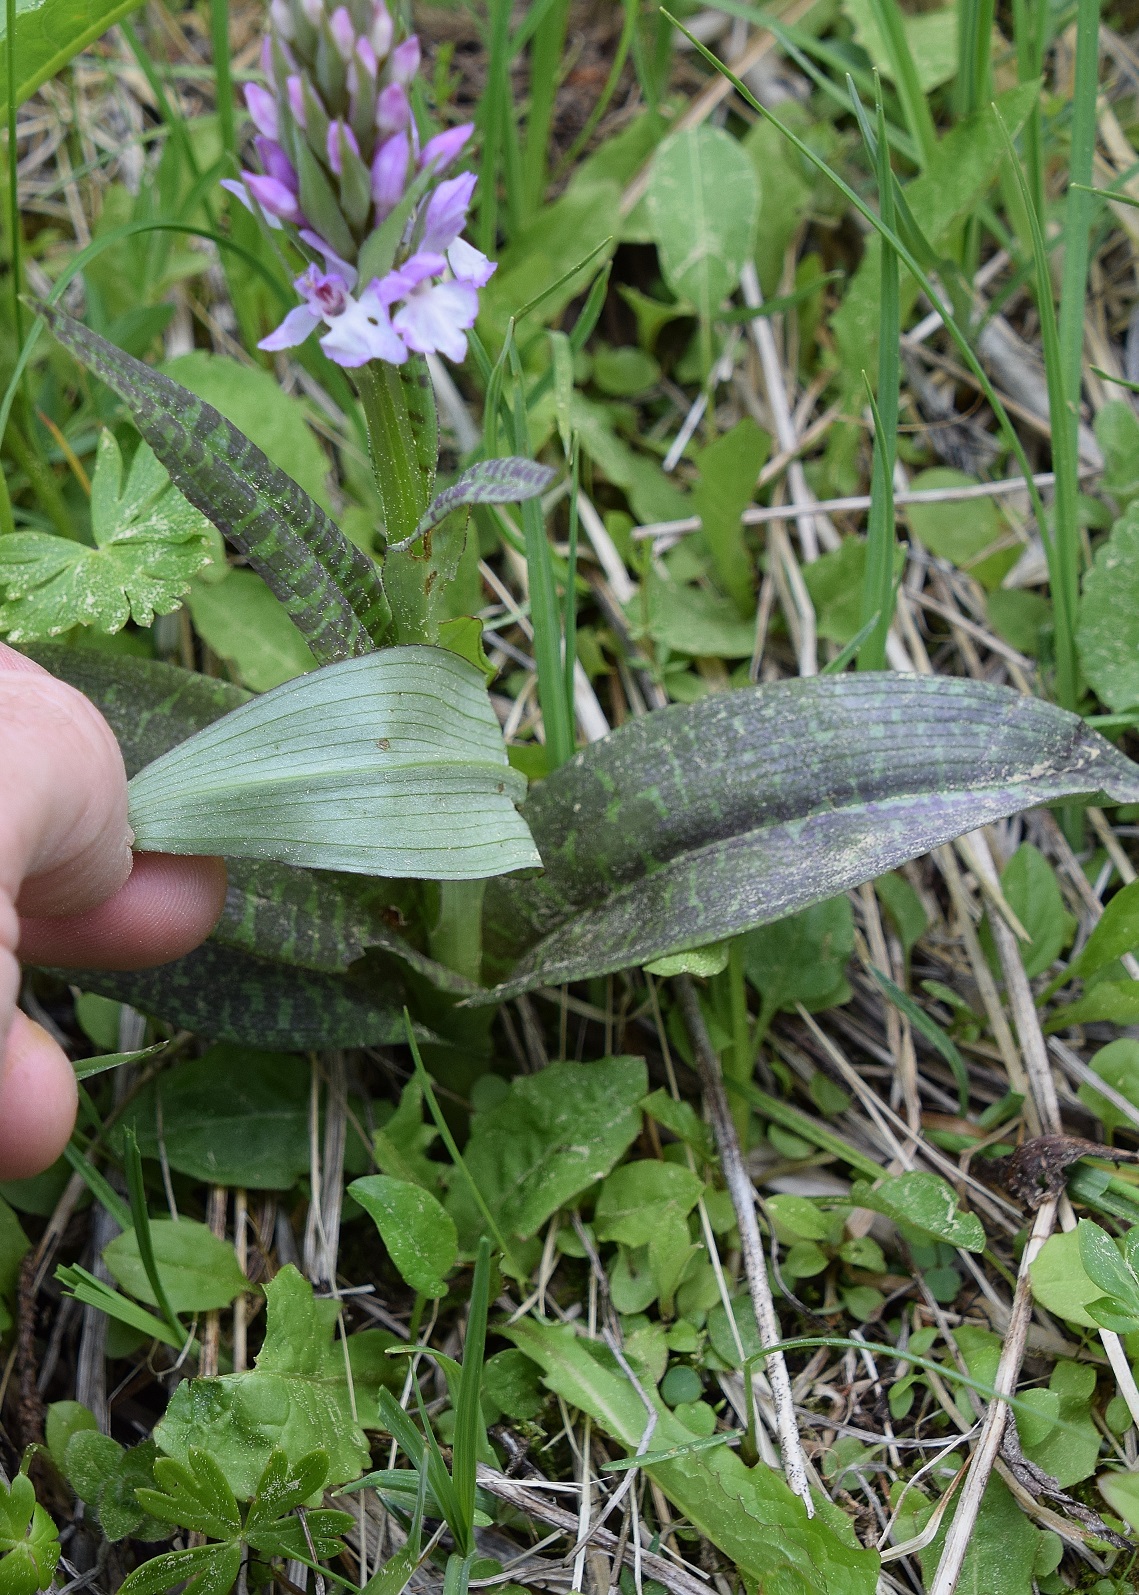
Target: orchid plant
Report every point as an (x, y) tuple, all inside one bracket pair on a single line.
[(389, 277)]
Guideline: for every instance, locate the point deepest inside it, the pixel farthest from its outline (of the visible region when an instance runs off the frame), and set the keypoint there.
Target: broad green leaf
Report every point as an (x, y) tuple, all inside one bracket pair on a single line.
[(149, 542), (728, 469), (198, 1271), (49, 33), (500, 481), (392, 764), (231, 1117), (227, 995), (703, 206), (1059, 1281), (553, 1136), (1121, 1492), (639, 1197), (818, 785), (511, 1381), (420, 1236), (1069, 1449), (690, 620), (834, 582), (1116, 1001), (683, 1120), (1001, 1550), (65, 1419), (1107, 631), (931, 35), (29, 1540), (296, 1397), (1116, 933), (1111, 1266), (802, 959), (240, 619), (652, 496), (750, 1514), (105, 1476), (259, 407), (946, 532), (1118, 1065), (1031, 889), (924, 1202), (1117, 433), (330, 588)]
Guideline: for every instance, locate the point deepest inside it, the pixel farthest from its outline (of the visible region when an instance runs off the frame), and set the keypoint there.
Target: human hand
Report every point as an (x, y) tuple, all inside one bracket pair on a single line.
[(71, 892)]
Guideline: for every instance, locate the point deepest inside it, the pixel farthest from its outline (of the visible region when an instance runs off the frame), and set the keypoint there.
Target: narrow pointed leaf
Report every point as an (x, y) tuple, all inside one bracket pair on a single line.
[(391, 765), (329, 587), (702, 820), (508, 481)]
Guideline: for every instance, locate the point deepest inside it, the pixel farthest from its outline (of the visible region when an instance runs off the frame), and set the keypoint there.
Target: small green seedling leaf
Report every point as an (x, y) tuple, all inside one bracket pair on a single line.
[(29, 1540), (392, 765), (1114, 1267), (1117, 1065), (149, 542), (1116, 933), (199, 1271), (503, 481), (925, 1202), (420, 1236), (1107, 632)]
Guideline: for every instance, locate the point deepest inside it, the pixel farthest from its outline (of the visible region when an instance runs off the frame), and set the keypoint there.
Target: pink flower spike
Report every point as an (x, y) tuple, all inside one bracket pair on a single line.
[(276, 163), (380, 32), (435, 318), (336, 132), (392, 110), (362, 333), (389, 173), (446, 214), (273, 197), (295, 328), (441, 150), (469, 264), (343, 33), (296, 99), (263, 109), (332, 261), (405, 60)]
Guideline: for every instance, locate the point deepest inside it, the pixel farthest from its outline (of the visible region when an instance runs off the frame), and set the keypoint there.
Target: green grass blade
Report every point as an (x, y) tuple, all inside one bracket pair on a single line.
[(219, 30), (468, 1410), (495, 113), (1061, 545), (571, 579), (915, 106), (546, 51), (632, 13), (544, 609), (905, 255), (141, 1220), (878, 586), (932, 1032)]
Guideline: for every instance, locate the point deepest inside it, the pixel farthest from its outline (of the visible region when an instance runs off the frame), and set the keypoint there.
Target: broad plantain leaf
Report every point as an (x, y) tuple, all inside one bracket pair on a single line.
[(705, 819), (749, 1514), (330, 588), (506, 481), (149, 542), (703, 205), (392, 764), (419, 1235), (1107, 633)]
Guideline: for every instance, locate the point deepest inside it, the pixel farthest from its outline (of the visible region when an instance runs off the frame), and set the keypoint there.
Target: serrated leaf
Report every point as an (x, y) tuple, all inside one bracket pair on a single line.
[(419, 1235), (203, 1569), (329, 587), (703, 820), (926, 1202), (391, 765), (296, 1398), (505, 481), (750, 1514), (149, 542)]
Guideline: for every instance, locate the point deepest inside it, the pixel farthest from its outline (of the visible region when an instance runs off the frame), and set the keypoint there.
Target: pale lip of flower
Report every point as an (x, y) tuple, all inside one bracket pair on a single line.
[(436, 290)]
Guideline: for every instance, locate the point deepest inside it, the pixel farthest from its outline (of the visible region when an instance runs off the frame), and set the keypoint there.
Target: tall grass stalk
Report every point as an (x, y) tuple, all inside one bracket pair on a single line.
[(915, 106), (219, 31), (546, 51), (495, 119), (878, 586)]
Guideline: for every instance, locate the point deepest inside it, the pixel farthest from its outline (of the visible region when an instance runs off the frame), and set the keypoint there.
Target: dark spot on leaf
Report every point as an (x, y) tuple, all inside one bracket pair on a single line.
[(383, 743)]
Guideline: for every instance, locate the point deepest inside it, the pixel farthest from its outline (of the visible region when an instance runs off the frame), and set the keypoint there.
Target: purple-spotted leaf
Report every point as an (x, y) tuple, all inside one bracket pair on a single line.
[(508, 481), (330, 588), (703, 820)]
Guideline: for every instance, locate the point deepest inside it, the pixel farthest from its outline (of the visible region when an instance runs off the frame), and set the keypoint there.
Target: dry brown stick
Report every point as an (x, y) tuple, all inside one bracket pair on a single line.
[(742, 1194)]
